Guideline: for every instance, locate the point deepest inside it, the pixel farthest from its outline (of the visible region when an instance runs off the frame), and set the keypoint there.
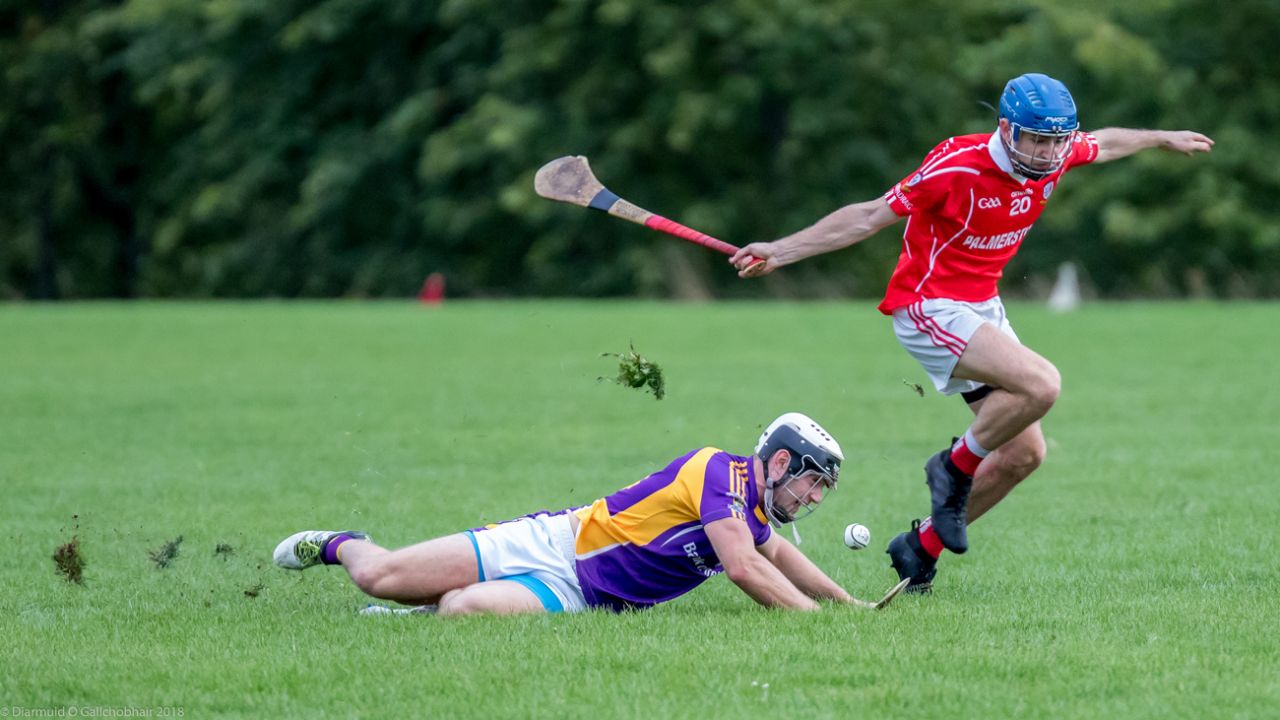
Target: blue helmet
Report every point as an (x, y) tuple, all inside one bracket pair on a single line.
[(1040, 105)]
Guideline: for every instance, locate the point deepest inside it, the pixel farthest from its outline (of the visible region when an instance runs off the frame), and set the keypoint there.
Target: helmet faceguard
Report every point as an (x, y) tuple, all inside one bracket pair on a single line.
[(1036, 154), (1042, 121), (804, 502), (813, 454)]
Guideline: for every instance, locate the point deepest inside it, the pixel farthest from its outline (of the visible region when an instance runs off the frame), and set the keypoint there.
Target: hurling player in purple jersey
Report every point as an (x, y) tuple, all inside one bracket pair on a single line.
[(706, 513)]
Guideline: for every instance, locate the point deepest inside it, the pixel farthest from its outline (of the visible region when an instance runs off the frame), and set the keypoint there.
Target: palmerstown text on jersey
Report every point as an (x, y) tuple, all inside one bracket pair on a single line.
[(995, 242)]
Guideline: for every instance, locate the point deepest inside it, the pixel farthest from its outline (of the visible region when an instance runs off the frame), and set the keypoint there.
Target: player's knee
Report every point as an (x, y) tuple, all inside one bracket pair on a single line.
[(1045, 388), (1022, 457), (459, 602)]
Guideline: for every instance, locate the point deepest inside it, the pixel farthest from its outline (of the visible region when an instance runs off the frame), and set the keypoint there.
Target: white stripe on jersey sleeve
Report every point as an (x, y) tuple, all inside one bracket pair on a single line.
[(944, 171), (930, 166)]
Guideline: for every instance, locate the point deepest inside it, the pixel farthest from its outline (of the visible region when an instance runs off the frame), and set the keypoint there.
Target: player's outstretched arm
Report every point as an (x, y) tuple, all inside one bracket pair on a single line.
[(801, 571), (842, 228), (1116, 143), (750, 571)]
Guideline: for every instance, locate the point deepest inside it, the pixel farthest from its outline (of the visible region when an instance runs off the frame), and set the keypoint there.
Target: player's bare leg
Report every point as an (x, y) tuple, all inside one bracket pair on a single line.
[(496, 597), (999, 450), (1024, 388), (1004, 468), (1025, 385), (418, 574)]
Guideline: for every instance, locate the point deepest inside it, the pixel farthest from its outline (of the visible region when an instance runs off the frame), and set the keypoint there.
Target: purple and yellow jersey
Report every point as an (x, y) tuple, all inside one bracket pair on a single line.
[(645, 544)]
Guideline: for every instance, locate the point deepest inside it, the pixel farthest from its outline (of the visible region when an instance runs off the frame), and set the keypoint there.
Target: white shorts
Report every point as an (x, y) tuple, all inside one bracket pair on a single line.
[(536, 552), (936, 333)]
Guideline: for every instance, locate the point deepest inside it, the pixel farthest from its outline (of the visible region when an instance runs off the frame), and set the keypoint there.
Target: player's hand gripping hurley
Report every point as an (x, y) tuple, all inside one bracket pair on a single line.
[(569, 179)]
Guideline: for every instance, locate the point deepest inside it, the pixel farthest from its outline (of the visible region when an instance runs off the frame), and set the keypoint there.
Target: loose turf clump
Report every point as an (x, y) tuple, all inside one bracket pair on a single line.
[(224, 551), (635, 371), (166, 553), (69, 562), (252, 592)]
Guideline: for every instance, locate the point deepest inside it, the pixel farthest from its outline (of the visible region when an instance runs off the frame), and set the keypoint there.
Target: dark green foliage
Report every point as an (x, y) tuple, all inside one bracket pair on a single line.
[(350, 147), (635, 371)]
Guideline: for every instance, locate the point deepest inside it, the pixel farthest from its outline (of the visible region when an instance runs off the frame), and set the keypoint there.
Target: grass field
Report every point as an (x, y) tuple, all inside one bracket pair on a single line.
[(1133, 576)]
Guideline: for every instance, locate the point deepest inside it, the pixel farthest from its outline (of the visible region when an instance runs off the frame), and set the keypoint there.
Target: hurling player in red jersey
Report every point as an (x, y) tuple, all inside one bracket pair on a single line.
[(969, 206)]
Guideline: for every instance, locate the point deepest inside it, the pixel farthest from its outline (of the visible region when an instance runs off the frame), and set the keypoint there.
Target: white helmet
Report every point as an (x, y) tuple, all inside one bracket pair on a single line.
[(812, 450)]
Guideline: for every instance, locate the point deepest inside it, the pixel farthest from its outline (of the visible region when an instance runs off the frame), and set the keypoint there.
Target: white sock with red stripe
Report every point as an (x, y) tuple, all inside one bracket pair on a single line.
[(967, 454)]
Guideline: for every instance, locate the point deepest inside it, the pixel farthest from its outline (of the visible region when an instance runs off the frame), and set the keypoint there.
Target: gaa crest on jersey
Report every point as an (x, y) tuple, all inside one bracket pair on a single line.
[(1048, 189)]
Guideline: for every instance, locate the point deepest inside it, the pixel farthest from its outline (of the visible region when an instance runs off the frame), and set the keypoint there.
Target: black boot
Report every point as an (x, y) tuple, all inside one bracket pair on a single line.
[(949, 488), (911, 561)]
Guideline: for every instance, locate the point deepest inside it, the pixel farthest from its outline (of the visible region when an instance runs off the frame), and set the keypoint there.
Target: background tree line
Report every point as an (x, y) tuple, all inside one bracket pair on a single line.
[(249, 148)]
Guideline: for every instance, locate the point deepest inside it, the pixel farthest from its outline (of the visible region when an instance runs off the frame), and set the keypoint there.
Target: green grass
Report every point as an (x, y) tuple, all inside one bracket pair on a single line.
[(1134, 575)]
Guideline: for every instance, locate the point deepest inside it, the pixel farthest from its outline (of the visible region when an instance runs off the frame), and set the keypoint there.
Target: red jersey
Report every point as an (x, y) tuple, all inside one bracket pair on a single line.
[(968, 213)]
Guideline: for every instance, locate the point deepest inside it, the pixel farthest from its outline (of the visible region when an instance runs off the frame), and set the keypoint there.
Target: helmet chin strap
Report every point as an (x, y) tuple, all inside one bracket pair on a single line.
[(772, 510), (769, 508)]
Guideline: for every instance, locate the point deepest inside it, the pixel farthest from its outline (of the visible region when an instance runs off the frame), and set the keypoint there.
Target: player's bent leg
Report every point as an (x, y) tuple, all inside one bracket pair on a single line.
[(1004, 468), (1027, 385), (1010, 387), (495, 597), (417, 574)]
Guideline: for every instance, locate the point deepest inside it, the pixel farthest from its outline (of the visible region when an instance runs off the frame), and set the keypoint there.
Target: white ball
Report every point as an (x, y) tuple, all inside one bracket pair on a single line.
[(857, 536)]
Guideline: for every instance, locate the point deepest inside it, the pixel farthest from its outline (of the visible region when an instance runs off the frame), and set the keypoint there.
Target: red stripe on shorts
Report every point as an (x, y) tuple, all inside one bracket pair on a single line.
[(913, 312), (962, 343)]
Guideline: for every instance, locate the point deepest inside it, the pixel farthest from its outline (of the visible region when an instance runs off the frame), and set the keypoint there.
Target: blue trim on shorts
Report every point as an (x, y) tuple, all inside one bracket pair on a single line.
[(475, 546), (539, 588)]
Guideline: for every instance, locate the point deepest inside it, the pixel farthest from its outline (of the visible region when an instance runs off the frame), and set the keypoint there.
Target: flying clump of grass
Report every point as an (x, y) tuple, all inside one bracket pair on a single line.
[(636, 371), (69, 562), (166, 553)]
